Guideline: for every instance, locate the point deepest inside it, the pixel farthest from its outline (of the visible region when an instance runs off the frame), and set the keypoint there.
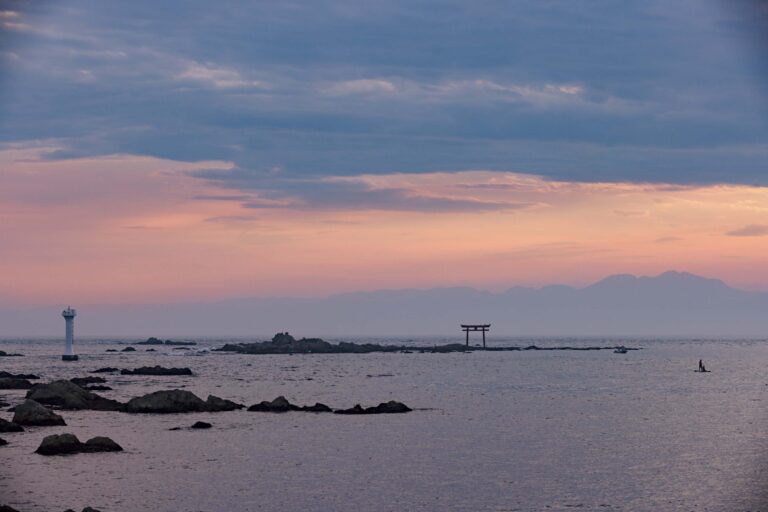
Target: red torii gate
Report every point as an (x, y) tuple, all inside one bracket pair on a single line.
[(476, 327)]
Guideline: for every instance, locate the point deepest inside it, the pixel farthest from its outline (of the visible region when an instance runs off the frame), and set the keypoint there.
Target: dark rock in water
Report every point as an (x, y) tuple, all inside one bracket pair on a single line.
[(15, 384), (59, 444), (31, 413), (201, 424), (150, 350), (82, 381), (89, 509), (284, 343), (3, 442), (383, 408), (157, 370), (68, 395), (128, 349), (151, 341), (357, 409), (156, 341), (216, 404), (388, 408), (28, 376), (98, 387), (6, 508), (164, 402), (111, 350), (102, 444), (182, 348), (318, 407), (279, 404), (7, 426), (6, 354), (3, 403), (63, 444), (107, 369)]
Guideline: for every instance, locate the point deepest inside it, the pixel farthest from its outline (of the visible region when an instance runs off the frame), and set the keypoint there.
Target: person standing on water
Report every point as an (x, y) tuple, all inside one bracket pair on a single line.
[(701, 366)]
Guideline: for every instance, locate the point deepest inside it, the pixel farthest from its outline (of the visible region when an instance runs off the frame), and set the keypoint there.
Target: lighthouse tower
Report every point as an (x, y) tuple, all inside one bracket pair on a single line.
[(69, 317)]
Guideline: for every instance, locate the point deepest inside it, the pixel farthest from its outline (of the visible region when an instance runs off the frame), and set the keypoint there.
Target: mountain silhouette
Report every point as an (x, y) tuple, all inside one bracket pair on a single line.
[(670, 304)]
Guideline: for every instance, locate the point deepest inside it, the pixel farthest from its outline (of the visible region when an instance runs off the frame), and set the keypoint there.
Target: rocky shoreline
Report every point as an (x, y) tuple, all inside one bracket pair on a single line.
[(284, 343)]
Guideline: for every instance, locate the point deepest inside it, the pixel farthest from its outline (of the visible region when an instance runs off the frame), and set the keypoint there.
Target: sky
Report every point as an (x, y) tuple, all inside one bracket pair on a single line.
[(184, 151)]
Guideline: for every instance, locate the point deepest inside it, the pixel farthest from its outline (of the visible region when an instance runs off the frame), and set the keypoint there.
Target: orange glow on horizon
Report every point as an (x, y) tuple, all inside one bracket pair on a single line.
[(125, 228)]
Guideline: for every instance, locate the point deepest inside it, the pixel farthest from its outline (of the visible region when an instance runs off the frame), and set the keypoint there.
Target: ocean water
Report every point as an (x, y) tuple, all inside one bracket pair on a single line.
[(492, 431)]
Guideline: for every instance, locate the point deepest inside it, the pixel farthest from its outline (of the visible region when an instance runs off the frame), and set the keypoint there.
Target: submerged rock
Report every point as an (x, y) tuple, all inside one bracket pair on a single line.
[(68, 395), (6, 354), (28, 376), (156, 341), (98, 387), (31, 413), (128, 349), (7, 426), (3, 442), (157, 370), (383, 408), (164, 402), (107, 369), (82, 381), (6, 508), (201, 424), (15, 384), (63, 444), (111, 350)]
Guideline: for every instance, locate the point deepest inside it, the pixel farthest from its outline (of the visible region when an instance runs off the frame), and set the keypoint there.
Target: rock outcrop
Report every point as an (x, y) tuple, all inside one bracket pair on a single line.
[(156, 341), (68, 395), (28, 376), (107, 369), (216, 404), (15, 384), (383, 408), (157, 370), (7, 426), (65, 444), (281, 404), (177, 401), (164, 402), (32, 414), (128, 349), (201, 425), (3, 442)]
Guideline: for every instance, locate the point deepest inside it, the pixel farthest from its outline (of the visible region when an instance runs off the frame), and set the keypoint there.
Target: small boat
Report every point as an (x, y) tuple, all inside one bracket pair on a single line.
[(620, 350)]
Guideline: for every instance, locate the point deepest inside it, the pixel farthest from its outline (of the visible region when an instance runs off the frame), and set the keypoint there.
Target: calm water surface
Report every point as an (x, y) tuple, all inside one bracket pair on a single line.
[(527, 431)]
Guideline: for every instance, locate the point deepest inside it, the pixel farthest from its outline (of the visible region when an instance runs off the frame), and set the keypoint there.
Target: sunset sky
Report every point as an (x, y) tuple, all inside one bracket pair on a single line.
[(185, 151)]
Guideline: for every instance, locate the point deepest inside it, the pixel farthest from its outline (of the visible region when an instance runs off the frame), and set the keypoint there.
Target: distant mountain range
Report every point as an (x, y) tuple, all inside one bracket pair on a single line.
[(670, 304)]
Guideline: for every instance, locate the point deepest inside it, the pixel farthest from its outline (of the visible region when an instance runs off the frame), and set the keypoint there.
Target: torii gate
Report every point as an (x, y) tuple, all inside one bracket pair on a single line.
[(476, 327)]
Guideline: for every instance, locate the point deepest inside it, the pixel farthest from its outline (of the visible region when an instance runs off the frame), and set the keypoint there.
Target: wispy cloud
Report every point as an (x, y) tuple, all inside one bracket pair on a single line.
[(218, 77), (750, 230)]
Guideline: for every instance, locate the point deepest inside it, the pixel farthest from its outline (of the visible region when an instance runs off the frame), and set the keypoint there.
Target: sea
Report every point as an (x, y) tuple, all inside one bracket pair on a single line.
[(490, 431)]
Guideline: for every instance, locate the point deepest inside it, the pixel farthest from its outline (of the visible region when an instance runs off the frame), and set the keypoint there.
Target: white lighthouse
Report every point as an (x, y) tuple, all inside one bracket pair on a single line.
[(69, 317)]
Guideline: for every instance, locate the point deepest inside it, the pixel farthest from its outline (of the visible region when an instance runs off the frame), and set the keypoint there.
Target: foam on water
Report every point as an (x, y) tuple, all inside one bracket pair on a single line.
[(494, 431)]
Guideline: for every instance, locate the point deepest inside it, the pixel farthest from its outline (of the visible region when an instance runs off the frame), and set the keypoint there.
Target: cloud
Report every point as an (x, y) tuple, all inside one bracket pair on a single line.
[(750, 230), (328, 88), (218, 77), (362, 86)]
